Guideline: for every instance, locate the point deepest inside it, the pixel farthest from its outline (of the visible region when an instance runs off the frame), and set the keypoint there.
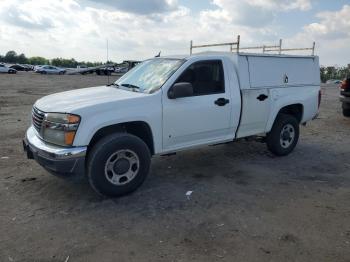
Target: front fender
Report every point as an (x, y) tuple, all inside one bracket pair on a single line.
[(147, 110)]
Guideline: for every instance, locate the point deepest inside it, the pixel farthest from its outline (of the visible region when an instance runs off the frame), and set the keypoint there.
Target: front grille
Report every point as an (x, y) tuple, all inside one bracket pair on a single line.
[(37, 118)]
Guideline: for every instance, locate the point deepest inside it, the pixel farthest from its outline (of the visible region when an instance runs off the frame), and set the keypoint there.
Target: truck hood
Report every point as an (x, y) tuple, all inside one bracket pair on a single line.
[(71, 101)]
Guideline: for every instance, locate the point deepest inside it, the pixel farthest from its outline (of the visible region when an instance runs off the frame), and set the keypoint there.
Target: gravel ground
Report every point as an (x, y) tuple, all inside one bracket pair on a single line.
[(246, 205)]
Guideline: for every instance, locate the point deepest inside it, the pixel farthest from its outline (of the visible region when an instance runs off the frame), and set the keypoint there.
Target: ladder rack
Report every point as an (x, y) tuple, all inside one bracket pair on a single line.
[(235, 47)]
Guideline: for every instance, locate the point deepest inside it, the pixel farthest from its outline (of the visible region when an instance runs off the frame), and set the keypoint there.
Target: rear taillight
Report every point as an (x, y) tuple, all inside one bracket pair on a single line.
[(319, 98)]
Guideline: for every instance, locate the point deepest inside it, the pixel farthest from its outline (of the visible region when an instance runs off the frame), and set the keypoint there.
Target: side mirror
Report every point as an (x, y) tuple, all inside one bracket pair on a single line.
[(182, 89)]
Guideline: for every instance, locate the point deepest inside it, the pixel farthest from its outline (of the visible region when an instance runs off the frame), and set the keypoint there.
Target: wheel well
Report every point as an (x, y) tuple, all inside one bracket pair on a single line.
[(295, 110), (137, 128)]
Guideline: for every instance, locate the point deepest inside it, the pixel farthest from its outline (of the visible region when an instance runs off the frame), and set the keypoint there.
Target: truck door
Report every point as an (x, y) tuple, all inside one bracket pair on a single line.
[(205, 116), (255, 111)]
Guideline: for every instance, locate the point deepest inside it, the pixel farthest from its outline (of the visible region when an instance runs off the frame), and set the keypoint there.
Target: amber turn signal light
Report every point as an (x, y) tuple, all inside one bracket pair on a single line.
[(69, 137)]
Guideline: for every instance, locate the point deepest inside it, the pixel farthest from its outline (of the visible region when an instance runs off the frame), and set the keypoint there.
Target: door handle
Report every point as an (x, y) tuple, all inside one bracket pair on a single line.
[(262, 97), (222, 101)]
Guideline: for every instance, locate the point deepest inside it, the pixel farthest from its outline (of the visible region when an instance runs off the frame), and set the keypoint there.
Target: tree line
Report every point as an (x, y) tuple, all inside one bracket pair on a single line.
[(331, 72), (12, 57)]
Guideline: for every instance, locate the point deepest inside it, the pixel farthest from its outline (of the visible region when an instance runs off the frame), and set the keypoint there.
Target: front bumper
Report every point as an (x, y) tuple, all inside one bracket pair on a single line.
[(57, 160)]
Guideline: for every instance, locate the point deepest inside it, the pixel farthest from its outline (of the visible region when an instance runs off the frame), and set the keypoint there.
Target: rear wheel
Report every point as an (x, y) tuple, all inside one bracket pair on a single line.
[(284, 135), (118, 164)]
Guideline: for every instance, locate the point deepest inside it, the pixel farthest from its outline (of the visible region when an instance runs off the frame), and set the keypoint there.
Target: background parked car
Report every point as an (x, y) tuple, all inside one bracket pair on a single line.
[(333, 81), (105, 70), (19, 67), (121, 69), (6, 69), (50, 70)]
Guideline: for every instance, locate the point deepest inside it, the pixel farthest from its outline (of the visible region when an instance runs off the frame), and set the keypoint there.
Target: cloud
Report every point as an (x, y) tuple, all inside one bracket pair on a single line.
[(331, 34), (331, 25), (282, 5), (73, 28), (141, 7), (254, 13), (25, 19), (80, 30), (38, 15), (67, 28)]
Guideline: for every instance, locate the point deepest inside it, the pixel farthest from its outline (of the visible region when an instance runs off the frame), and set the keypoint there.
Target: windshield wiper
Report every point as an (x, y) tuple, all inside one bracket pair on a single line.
[(113, 84), (131, 86)]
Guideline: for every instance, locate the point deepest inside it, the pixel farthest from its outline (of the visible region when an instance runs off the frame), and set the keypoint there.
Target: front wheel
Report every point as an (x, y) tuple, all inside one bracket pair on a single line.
[(118, 164), (284, 135)]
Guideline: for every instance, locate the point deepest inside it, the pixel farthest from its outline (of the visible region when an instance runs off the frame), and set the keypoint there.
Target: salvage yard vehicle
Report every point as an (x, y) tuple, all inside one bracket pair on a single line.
[(105, 70), (169, 104), (19, 67), (345, 96), (47, 69), (6, 69)]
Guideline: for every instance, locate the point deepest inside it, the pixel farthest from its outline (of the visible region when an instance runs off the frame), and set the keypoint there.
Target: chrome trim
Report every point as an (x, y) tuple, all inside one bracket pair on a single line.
[(37, 118), (51, 151)]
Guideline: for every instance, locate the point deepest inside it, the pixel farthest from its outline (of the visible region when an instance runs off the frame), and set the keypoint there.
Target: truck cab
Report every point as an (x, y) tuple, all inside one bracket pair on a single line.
[(168, 104)]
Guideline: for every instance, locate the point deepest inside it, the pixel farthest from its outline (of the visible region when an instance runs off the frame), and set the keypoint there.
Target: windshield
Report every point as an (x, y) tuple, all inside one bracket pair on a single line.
[(150, 75)]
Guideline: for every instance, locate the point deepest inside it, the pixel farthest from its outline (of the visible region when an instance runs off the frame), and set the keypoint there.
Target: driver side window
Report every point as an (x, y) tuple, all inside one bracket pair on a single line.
[(206, 77)]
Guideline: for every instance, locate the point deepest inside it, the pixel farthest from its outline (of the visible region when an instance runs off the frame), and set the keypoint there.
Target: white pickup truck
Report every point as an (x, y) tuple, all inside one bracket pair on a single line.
[(168, 104)]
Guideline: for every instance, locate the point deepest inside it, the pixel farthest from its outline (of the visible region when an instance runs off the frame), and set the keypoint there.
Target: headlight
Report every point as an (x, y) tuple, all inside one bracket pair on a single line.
[(60, 128)]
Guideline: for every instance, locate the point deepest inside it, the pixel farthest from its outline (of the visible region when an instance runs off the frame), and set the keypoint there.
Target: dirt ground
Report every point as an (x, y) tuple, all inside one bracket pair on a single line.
[(246, 205)]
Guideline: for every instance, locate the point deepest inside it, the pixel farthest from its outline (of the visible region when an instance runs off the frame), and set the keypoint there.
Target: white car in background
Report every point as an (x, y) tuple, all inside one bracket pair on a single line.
[(5, 69), (47, 69)]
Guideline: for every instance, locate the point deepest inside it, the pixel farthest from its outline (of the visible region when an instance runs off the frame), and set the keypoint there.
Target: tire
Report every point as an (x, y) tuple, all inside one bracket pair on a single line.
[(346, 112), (106, 72), (284, 135), (118, 164)]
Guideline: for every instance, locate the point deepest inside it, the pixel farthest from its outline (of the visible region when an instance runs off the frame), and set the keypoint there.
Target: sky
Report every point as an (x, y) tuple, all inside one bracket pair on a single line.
[(139, 29)]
